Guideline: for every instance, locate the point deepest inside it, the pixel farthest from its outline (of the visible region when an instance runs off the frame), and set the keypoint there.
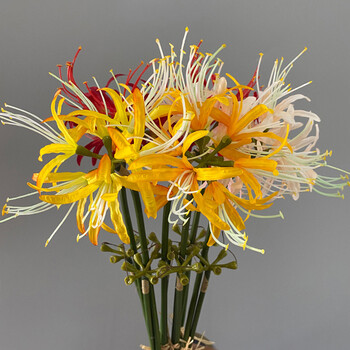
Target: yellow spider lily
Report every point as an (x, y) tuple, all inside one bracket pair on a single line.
[(81, 189), (124, 148), (182, 175), (224, 202), (68, 148), (144, 136), (169, 168)]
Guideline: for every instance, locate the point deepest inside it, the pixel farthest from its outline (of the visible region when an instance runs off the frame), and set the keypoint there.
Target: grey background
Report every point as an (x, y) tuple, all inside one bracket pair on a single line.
[(68, 296)]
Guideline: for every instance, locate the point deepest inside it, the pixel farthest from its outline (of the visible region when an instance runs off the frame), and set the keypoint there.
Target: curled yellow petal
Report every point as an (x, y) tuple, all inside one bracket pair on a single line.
[(70, 197), (118, 138), (200, 121), (234, 216), (231, 152), (156, 159), (93, 234), (217, 173), (80, 214), (58, 177), (218, 195), (216, 232), (258, 163), (56, 148), (253, 114), (104, 169), (164, 174), (259, 134), (251, 182), (58, 121), (148, 199), (283, 143), (92, 114), (221, 116), (139, 118), (118, 222), (209, 213), (192, 138), (53, 163), (120, 114), (108, 229), (163, 111)]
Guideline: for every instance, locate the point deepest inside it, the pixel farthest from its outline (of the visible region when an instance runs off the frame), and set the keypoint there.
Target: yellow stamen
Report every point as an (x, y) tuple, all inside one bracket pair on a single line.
[(4, 211)]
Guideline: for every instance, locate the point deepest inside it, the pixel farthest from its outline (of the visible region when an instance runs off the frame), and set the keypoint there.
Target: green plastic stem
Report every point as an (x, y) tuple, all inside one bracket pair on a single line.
[(165, 280), (195, 293), (178, 298), (148, 297), (193, 233)]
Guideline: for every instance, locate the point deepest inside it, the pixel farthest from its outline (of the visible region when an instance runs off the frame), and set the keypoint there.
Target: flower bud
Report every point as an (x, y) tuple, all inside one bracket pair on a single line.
[(153, 237), (176, 229), (154, 279), (197, 267), (129, 280), (128, 267), (170, 256), (129, 253), (106, 248), (161, 270), (115, 258), (138, 259), (184, 280), (217, 270), (232, 265), (161, 263)]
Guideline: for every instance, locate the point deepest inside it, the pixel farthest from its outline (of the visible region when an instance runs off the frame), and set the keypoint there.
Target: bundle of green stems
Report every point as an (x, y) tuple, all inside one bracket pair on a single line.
[(137, 262)]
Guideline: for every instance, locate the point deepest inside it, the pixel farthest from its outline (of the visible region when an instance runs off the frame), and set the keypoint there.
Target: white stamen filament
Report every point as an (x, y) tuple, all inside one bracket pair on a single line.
[(60, 224), (25, 122), (101, 94)]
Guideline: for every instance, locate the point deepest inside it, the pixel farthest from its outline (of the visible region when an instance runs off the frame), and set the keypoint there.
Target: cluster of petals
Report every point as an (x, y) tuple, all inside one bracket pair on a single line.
[(184, 134)]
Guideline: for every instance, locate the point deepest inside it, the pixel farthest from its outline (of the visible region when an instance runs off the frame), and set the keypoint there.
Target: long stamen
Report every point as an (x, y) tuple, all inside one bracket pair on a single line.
[(25, 122), (60, 224), (22, 196), (101, 94)]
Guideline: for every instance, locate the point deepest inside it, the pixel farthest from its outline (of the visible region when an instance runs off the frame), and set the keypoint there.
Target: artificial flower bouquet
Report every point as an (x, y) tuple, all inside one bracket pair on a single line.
[(183, 141)]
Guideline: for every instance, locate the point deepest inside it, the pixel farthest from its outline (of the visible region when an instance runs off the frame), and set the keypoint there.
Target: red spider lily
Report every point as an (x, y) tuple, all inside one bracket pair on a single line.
[(100, 99), (93, 93)]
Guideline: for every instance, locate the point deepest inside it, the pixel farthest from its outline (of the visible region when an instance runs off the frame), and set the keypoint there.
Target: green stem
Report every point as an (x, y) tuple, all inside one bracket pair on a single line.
[(127, 219), (107, 142), (81, 150), (178, 299), (155, 321), (193, 233), (164, 310), (200, 302), (222, 163), (192, 306), (165, 280), (195, 292), (148, 291), (148, 311), (133, 246), (203, 288), (226, 140), (194, 228)]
